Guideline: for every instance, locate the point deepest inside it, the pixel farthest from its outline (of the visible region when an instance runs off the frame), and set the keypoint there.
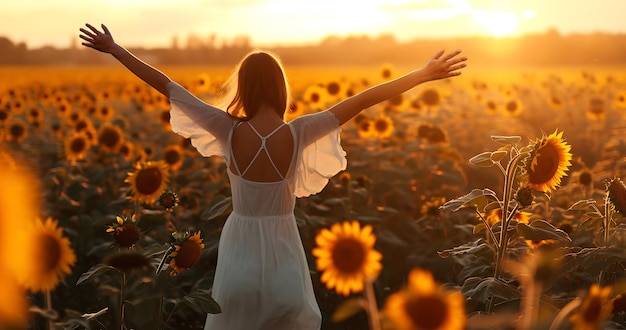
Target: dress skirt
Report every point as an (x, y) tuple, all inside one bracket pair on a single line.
[(262, 279)]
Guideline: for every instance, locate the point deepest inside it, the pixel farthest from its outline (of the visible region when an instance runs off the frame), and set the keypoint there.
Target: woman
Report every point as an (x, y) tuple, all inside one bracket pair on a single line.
[(262, 279)]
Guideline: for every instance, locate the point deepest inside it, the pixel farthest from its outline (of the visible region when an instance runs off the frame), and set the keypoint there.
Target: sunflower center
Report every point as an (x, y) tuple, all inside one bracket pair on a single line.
[(381, 125), (78, 145), (50, 253), (430, 97), (189, 254), (172, 157), (127, 235), (547, 159), (428, 312), (511, 106), (315, 97), (17, 131), (348, 255), (148, 180), (333, 88), (109, 137)]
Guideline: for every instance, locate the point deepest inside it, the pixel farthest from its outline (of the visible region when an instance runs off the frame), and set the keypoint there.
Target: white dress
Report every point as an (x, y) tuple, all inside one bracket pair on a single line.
[(262, 279)]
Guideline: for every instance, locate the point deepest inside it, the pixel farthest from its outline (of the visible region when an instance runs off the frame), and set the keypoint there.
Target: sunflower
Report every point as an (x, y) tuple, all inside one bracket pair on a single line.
[(430, 97), (52, 255), (431, 207), (495, 216), (5, 116), (424, 305), (126, 150), (168, 200), (431, 133), (202, 83), (387, 71), (383, 126), (125, 231), (595, 309), (596, 109), (110, 137), (34, 115), (345, 179), (105, 112), (491, 106), (295, 110), (550, 160), (346, 256), (556, 101), (148, 181), (64, 108), (333, 89), (397, 103), (173, 156), (617, 194), (315, 97), (17, 211), (76, 147), (619, 101), (365, 128), (164, 118), (513, 107), (187, 252), (17, 131)]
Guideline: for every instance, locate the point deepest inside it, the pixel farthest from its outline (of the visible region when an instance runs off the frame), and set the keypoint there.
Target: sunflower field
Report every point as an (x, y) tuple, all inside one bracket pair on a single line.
[(493, 200)]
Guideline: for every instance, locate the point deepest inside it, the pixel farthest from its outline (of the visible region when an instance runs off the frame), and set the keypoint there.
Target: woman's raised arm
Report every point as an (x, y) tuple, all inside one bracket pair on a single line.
[(103, 41), (437, 67)]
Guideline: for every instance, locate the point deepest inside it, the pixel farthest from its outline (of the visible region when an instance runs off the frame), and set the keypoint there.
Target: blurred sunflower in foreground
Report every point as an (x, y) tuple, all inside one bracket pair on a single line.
[(346, 256), (550, 160), (148, 181), (187, 252), (52, 253), (423, 304), (595, 309)]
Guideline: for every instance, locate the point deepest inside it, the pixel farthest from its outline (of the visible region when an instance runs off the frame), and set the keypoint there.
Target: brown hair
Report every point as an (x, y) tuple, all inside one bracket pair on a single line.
[(260, 80)]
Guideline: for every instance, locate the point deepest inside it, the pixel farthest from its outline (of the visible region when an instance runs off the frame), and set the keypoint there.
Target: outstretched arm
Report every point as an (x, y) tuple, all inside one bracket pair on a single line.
[(437, 67), (103, 41)]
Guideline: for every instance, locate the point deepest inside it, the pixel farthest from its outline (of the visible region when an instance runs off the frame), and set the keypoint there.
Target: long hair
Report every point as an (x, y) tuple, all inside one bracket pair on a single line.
[(258, 80)]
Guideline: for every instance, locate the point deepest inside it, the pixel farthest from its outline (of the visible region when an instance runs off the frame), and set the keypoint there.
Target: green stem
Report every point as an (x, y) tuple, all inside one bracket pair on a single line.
[(372, 307), (49, 308), (122, 292)]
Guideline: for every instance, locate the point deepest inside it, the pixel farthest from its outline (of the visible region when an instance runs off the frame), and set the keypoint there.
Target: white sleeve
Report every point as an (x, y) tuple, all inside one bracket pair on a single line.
[(320, 155), (207, 126)]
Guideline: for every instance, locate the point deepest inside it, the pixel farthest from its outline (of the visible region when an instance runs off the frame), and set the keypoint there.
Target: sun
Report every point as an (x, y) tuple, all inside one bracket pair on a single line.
[(499, 24)]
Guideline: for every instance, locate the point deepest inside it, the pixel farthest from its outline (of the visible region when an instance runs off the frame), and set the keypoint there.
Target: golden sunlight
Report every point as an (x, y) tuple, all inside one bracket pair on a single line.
[(499, 24)]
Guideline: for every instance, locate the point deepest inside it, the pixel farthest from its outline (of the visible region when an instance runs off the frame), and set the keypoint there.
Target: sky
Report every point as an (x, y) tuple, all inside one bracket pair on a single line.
[(155, 23)]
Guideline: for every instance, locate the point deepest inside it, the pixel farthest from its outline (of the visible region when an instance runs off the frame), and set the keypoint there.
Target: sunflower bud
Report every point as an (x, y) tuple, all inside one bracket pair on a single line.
[(617, 194), (525, 196)]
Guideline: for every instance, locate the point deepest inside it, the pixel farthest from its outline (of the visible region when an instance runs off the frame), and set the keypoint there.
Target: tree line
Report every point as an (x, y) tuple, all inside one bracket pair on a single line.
[(544, 49)]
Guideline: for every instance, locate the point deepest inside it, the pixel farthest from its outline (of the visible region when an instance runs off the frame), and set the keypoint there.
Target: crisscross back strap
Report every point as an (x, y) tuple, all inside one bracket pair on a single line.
[(263, 147)]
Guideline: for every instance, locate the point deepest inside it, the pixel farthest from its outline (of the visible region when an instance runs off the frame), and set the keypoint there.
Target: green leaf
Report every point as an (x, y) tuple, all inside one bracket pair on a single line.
[(348, 309), (92, 271), (202, 302), (217, 209), (483, 289), (479, 227), (582, 205), (477, 199), (471, 247), (539, 230), (496, 156), (506, 139), (589, 224), (483, 159)]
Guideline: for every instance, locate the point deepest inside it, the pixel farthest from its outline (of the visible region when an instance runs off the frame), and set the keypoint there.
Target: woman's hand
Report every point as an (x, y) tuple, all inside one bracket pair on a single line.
[(440, 67), (101, 41)]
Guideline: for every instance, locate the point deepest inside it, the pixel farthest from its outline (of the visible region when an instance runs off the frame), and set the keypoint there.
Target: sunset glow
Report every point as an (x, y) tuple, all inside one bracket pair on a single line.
[(275, 22)]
